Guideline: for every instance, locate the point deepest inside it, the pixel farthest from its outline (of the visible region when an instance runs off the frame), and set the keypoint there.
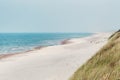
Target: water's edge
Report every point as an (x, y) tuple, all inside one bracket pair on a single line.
[(63, 42)]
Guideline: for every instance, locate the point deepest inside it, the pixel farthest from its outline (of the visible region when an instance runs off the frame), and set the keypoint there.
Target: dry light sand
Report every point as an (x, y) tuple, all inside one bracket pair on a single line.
[(53, 62)]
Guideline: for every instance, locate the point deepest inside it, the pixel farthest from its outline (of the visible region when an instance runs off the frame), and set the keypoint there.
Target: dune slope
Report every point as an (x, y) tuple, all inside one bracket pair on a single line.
[(105, 65)]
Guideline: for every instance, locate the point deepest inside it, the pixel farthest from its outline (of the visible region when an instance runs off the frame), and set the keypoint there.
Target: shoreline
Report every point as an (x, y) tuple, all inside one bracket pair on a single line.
[(56, 62), (63, 42), (2, 56)]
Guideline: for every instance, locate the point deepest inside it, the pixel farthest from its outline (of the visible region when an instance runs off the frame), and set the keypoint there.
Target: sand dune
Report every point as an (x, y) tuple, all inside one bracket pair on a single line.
[(53, 62)]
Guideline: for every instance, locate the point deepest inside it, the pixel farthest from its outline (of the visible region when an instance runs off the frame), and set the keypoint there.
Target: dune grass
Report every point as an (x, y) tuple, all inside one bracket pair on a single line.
[(105, 65)]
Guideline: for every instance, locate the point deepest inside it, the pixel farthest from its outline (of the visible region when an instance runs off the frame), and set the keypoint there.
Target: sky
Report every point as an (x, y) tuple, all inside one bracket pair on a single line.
[(59, 15)]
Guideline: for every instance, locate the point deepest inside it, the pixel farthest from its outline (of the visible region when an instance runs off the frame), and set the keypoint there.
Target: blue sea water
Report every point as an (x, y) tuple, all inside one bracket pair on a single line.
[(20, 42)]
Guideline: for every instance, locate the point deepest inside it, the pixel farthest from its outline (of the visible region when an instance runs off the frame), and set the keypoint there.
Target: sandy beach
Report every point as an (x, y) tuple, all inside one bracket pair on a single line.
[(53, 62)]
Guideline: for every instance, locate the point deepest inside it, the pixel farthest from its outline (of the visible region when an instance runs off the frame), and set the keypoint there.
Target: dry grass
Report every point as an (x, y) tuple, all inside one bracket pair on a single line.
[(105, 65)]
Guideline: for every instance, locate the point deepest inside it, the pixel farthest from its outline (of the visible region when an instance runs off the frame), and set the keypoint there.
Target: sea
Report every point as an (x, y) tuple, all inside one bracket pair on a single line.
[(21, 42)]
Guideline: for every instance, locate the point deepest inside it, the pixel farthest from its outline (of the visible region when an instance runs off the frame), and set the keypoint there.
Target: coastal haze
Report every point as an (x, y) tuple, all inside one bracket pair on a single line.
[(59, 15)]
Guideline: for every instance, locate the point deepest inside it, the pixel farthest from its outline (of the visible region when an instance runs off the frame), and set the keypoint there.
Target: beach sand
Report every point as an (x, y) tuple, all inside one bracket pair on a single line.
[(53, 62)]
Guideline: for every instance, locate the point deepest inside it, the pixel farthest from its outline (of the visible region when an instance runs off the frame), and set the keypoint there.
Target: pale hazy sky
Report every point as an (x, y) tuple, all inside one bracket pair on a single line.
[(59, 15)]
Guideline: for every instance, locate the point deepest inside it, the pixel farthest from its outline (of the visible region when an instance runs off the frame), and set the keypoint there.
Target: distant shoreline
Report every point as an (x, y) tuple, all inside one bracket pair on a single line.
[(63, 42), (22, 42)]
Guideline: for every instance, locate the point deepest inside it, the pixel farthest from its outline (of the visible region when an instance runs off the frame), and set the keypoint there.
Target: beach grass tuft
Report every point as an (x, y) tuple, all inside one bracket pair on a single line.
[(104, 65)]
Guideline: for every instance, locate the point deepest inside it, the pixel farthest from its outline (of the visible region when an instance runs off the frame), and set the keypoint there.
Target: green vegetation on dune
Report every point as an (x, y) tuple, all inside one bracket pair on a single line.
[(105, 65)]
